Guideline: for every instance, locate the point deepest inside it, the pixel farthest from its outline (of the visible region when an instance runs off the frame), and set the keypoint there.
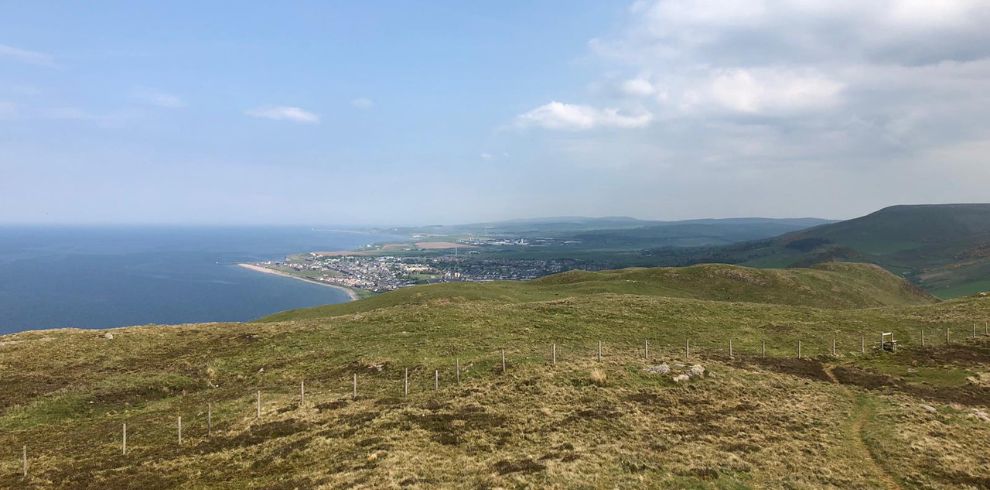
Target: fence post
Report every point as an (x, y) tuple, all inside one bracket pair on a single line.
[(687, 348), (123, 444), (862, 344), (922, 337), (24, 461), (974, 330), (730, 348), (302, 393), (646, 350), (405, 384), (833, 346), (209, 420), (553, 354), (436, 380), (946, 335), (354, 394), (259, 405), (503, 361), (180, 430), (799, 349), (457, 366), (599, 351)]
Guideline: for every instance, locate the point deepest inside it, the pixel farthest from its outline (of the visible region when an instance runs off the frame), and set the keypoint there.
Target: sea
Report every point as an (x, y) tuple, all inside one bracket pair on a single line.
[(112, 276)]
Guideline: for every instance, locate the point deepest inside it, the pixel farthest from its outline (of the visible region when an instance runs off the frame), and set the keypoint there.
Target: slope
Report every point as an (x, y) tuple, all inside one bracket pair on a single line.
[(753, 420), (836, 285), (945, 249)]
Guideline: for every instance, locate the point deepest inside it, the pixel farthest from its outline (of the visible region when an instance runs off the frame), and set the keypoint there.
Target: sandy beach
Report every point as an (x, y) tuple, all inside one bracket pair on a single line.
[(257, 268)]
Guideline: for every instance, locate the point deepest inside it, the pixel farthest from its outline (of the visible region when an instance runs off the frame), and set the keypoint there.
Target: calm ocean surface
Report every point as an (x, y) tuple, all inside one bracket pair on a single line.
[(91, 277)]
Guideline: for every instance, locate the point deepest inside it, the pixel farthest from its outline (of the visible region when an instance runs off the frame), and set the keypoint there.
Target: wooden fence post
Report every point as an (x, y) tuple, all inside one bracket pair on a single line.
[(436, 380), (24, 461), (302, 393), (553, 354), (799, 349), (354, 394), (123, 444), (180, 430), (405, 384), (687, 348), (258, 414), (503, 361), (922, 337), (974, 330), (833, 346), (730, 348), (599, 351), (862, 344), (457, 368), (646, 350), (209, 420)]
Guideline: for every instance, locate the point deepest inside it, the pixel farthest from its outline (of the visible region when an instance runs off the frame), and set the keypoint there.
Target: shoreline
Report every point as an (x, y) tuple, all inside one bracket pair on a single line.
[(352, 294)]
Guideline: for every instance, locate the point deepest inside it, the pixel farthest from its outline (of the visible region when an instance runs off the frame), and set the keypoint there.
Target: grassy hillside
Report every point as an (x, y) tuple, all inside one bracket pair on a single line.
[(917, 418), (833, 285), (943, 248)]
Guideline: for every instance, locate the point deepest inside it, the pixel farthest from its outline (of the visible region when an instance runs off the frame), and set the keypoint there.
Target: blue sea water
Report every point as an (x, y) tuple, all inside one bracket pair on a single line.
[(99, 277)]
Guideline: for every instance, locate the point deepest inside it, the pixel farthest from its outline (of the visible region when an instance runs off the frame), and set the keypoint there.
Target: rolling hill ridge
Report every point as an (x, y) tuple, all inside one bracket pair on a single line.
[(944, 248)]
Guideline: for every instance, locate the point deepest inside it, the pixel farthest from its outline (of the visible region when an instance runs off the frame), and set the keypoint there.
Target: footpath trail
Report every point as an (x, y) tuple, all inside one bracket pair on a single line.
[(863, 414)]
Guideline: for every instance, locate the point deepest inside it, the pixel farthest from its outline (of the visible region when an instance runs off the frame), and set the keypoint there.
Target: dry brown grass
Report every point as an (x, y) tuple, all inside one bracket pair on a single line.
[(747, 423)]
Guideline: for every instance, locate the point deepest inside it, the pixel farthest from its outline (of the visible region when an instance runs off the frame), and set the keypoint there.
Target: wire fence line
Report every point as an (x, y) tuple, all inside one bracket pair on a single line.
[(387, 381)]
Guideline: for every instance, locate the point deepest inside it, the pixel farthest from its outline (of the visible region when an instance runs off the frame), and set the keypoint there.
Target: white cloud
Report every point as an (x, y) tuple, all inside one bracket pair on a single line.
[(487, 156), (637, 87), (363, 103), (25, 56), (284, 113), (768, 91), (573, 117), (159, 99)]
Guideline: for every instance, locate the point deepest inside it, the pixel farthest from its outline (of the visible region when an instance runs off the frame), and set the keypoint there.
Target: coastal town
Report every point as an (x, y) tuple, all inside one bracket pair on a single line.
[(380, 273)]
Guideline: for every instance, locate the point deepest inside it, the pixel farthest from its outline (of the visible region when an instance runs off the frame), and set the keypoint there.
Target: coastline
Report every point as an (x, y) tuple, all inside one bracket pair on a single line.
[(352, 294)]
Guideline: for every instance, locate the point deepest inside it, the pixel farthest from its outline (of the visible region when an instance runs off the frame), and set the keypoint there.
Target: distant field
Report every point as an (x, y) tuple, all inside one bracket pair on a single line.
[(440, 245)]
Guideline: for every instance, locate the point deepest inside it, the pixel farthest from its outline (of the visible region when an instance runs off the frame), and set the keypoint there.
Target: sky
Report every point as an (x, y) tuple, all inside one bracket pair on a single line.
[(406, 112)]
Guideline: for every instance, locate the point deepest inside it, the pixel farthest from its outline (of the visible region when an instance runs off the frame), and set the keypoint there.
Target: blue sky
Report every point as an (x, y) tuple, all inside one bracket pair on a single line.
[(445, 112)]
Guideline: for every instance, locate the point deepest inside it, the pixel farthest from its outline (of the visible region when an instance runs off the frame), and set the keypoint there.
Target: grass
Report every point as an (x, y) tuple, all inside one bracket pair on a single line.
[(750, 422)]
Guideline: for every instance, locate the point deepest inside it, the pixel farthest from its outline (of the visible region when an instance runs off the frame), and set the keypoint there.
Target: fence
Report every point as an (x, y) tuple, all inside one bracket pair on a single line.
[(557, 353)]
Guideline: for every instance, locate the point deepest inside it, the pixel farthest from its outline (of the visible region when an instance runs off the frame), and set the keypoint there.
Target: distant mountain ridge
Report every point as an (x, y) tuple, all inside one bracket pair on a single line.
[(944, 248), (626, 233)]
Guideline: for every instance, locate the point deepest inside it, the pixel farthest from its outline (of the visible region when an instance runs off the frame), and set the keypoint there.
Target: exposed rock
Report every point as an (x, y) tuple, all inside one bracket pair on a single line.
[(108, 336), (696, 371), (929, 409), (681, 378), (659, 369), (981, 414)]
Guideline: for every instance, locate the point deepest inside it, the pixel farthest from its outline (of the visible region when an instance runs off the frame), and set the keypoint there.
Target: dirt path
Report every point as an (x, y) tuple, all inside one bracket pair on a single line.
[(864, 412)]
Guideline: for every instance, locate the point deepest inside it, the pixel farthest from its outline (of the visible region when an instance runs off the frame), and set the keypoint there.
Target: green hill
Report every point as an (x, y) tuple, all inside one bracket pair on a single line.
[(835, 285), (945, 249), (843, 415)]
